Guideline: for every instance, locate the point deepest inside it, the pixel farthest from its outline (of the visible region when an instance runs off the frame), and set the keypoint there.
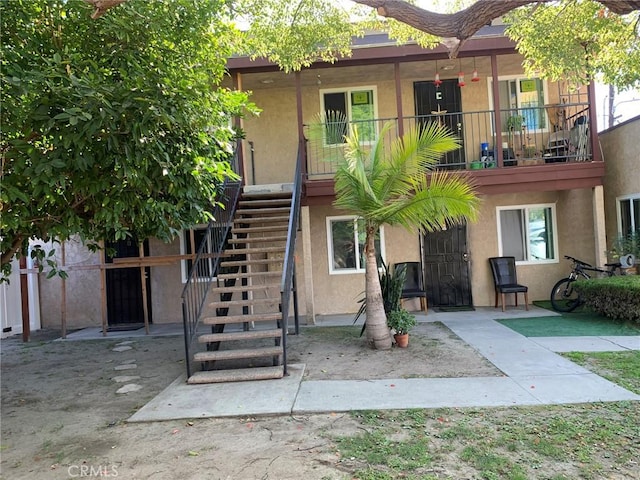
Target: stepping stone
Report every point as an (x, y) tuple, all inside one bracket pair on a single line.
[(124, 348), (131, 387), (127, 366), (125, 378), (128, 342), (131, 360)]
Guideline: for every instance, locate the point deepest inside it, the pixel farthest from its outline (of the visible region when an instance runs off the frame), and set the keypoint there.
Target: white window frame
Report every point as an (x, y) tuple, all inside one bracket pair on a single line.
[(545, 94), (359, 268), (184, 237), (631, 197), (348, 91), (526, 208)]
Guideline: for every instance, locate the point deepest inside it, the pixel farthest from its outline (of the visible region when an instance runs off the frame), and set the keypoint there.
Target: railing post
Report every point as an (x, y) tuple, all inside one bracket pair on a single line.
[(296, 316)]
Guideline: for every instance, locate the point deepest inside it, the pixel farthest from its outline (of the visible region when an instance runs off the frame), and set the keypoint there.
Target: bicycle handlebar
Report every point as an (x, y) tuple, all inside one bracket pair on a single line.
[(579, 262)]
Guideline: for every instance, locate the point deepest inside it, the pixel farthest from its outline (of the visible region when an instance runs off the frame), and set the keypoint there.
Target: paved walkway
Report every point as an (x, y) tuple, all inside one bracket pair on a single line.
[(533, 375)]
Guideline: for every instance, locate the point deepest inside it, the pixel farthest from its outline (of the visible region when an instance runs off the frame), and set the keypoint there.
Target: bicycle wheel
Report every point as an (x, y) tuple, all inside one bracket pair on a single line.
[(564, 298)]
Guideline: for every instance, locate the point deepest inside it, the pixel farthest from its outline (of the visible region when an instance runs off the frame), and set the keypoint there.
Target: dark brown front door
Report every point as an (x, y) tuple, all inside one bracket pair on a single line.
[(442, 103), (124, 286), (446, 268)]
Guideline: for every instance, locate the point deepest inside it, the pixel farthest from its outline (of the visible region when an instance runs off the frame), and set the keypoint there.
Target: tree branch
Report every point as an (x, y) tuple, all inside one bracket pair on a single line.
[(457, 27), (101, 6)]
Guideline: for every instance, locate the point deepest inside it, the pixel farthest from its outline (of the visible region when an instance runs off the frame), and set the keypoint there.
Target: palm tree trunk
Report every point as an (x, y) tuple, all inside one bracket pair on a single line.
[(377, 331)]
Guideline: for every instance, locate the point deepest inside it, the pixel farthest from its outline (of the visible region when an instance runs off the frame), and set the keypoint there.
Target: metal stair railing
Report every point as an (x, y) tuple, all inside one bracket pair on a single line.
[(288, 285), (205, 267)]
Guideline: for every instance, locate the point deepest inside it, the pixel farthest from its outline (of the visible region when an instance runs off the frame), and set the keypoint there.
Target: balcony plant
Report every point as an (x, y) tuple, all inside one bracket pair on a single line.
[(514, 123)]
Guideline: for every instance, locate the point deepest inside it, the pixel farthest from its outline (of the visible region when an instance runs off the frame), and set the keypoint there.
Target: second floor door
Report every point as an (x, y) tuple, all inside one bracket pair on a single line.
[(442, 104)]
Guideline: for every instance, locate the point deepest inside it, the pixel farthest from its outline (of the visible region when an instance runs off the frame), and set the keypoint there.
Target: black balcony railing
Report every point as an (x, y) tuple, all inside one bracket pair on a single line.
[(527, 136)]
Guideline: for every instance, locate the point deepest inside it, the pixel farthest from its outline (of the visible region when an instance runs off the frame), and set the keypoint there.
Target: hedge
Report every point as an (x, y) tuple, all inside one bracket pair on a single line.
[(614, 297)]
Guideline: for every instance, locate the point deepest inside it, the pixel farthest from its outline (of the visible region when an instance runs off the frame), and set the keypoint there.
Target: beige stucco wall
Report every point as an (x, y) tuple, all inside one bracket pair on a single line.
[(339, 293), (622, 175), (82, 289)]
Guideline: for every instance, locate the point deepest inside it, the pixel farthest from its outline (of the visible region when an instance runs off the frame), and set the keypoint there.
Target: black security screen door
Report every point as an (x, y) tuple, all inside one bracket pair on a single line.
[(446, 268), (124, 287)]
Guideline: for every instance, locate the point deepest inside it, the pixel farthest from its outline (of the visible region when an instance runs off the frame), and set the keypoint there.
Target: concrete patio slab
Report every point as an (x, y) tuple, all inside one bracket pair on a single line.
[(341, 395), (583, 344), (558, 389), (263, 397)]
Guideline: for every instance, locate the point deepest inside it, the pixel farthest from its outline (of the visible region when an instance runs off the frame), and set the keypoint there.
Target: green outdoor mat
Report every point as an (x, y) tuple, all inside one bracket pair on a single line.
[(572, 325)]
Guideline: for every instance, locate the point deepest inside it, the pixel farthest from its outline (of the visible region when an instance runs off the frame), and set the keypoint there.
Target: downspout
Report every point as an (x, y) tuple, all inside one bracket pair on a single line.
[(301, 140)]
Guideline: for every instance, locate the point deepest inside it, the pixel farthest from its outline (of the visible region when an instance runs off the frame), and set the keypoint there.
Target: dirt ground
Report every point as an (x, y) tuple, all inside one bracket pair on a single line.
[(62, 417)]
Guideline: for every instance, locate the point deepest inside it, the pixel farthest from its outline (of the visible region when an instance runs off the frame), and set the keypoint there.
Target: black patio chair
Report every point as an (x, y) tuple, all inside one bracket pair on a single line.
[(506, 280), (413, 283)]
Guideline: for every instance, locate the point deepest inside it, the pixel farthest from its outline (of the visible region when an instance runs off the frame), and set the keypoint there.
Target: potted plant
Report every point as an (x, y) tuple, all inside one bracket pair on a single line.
[(625, 245), (514, 123), (401, 321)]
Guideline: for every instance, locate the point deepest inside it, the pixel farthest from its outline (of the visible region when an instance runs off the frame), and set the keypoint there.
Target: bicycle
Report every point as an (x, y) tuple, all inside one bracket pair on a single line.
[(564, 298)]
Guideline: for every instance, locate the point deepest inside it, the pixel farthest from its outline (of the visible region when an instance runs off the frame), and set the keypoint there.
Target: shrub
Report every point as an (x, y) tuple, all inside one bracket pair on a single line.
[(613, 297)]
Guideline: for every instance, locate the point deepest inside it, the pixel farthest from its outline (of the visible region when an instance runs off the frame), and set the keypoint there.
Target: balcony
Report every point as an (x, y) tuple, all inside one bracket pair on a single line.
[(537, 148)]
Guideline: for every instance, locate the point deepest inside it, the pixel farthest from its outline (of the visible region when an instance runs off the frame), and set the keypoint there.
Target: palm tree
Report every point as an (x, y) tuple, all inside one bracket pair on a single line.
[(390, 186)]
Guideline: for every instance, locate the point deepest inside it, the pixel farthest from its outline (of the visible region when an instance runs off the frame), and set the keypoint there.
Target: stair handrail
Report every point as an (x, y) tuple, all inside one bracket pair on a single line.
[(288, 284), (205, 267)]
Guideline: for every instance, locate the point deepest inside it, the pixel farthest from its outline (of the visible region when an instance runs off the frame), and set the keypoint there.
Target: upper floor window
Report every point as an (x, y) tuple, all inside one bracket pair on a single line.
[(346, 243), (353, 105), (527, 232), (522, 102)]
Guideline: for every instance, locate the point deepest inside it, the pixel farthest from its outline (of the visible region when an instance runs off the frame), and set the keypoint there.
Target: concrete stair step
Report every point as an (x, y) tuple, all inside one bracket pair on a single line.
[(277, 238), (246, 263), (236, 375), (234, 336), (240, 275), (256, 317), (270, 228), (237, 354), (244, 288), (261, 211), (269, 219), (247, 202), (252, 250), (246, 303)]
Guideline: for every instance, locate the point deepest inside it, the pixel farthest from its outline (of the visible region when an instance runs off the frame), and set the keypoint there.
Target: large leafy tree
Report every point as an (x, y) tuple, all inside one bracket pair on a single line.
[(573, 40), (387, 185), (112, 127)]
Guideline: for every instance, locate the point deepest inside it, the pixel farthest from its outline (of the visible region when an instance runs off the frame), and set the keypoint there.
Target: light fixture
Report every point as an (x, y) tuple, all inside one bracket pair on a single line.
[(437, 82), (474, 77), (460, 75), (267, 81)]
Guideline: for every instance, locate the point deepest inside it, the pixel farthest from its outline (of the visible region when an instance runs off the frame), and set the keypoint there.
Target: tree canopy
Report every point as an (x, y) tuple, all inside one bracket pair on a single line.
[(112, 127), (114, 124)]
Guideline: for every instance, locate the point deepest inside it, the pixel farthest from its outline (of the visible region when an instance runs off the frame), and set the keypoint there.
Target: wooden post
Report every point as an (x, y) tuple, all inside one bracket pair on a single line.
[(63, 294), (103, 289), (24, 296), (143, 280)]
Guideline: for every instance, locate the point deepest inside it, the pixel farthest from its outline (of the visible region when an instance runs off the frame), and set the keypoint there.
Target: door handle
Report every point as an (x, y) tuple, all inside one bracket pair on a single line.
[(465, 256)]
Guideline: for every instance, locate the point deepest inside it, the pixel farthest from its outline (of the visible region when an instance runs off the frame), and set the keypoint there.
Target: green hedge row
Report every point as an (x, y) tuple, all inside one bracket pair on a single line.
[(614, 297)]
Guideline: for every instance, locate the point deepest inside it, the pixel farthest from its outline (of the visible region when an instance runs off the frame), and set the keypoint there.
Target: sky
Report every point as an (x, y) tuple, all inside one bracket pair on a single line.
[(627, 105)]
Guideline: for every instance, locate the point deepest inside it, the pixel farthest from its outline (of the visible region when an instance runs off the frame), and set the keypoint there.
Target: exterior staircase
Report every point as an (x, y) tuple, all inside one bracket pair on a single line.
[(243, 308)]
